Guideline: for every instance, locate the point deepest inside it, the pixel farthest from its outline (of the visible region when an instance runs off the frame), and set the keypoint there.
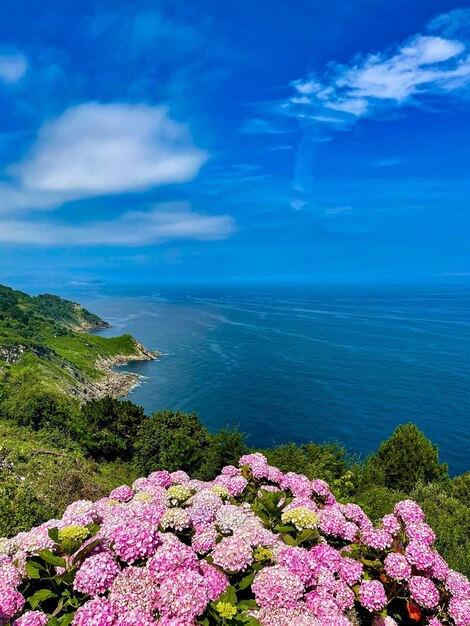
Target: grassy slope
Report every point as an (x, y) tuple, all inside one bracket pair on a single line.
[(46, 327), (57, 469)]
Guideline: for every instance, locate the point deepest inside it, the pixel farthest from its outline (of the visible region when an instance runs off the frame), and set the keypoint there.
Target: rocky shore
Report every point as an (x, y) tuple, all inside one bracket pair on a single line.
[(114, 384)]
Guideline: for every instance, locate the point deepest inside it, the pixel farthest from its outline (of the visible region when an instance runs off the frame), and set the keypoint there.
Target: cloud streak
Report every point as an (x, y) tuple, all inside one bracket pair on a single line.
[(171, 221), (421, 69)]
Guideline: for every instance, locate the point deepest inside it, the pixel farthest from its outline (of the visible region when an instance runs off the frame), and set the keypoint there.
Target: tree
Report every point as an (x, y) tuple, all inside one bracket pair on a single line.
[(405, 459), (171, 440), (106, 428)]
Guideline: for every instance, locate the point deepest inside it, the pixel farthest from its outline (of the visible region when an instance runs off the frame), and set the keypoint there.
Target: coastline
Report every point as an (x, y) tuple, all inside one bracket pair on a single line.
[(114, 384)]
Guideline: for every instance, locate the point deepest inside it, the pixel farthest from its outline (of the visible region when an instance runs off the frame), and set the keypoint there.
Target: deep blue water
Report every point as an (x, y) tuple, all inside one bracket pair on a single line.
[(344, 364)]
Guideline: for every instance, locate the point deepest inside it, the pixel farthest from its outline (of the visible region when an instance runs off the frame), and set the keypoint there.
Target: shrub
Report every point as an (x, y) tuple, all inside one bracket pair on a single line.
[(172, 440), (106, 428), (405, 459), (19, 506)]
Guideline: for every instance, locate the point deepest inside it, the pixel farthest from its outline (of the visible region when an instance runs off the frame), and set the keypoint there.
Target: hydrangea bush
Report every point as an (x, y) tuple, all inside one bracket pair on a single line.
[(253, 547)]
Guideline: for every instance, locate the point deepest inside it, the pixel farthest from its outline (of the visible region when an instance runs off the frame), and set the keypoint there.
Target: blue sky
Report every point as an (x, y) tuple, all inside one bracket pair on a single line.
[(276, 141)]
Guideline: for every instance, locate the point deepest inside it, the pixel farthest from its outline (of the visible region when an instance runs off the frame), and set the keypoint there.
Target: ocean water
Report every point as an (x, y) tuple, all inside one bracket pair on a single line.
[(343, 364)]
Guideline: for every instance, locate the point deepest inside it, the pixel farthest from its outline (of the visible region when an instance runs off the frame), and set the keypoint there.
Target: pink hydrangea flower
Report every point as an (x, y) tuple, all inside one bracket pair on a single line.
[(11, 602), (96, 612), (423, 591), (397, 567), (372, 595), (122, 494), (32, 618), (96, 574), (409, 512), (276, 587), (233, 554)]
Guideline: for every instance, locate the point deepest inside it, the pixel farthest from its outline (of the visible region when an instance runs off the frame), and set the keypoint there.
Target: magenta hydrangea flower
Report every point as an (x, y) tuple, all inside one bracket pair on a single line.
[(96, 612), (421, 532), (372, 595), (459, 610), (419, 555), (423, 591), (299, 561), (171, 556), (257, 464), (391, 524), (160, 479), (397, 567), (96, 574), (134, 541), (32, 618), (122, 494), (9, 576), (377, 539), (350, 570), (216, 581), (409, 512), (458, 584)]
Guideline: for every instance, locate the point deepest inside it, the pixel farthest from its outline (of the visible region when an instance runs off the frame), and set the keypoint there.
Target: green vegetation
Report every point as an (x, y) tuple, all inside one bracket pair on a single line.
[(55, 449), (45, 336)]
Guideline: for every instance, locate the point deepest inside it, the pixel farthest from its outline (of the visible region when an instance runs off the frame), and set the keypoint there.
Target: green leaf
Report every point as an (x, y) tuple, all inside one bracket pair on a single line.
[(69, 546), (246, 581), (290, 541), (32, 570), (230, 596), (251, 621), (244, 605), (284, 529), (66, 619), (54, 534), (40, 596), (52, 559)]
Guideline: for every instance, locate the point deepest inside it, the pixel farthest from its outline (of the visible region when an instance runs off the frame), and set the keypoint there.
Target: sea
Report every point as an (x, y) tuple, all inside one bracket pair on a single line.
[(297, 364)]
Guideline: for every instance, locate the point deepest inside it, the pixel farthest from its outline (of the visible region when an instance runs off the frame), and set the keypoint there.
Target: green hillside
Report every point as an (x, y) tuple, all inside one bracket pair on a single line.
[(47, 335)]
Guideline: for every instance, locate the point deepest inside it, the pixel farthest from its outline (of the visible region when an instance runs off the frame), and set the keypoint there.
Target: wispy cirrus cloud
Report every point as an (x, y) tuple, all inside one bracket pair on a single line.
[(417, 71)]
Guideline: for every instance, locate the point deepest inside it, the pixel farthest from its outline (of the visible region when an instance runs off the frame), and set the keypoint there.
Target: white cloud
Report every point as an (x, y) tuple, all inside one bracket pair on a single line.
[(424, 66), (257, 126), (298, 204), (337, 210), (173, 221), (12, 68), (387, 162), (97, 149)]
